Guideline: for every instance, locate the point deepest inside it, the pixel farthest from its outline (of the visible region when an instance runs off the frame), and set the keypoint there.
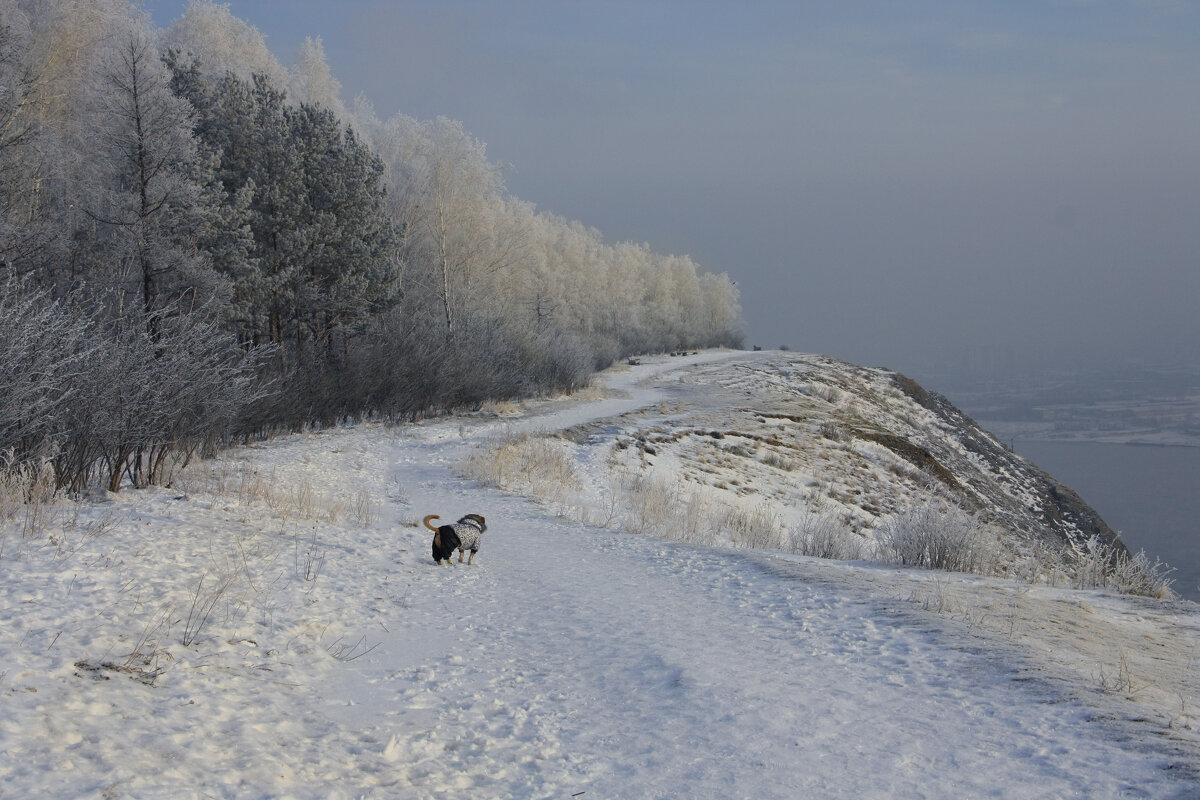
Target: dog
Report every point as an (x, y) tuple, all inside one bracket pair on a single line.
[(464, 535)]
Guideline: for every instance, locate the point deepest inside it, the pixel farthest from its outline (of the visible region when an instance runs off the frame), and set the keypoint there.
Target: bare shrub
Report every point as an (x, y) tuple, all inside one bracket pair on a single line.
[(948, 538), (362, 509), (830, 394), (308, 559), (110, 398), (608, 512), (832, 432), (1119, 680), (1092, 564), (304, 500), (937, 537), (739, 449), (823, 536), (44, 349), (12, 492), (1137, 575), (165, 387), (1038, 561)]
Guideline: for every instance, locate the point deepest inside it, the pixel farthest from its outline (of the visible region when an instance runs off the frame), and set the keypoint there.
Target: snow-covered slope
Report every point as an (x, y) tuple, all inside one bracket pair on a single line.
[(275, 627)]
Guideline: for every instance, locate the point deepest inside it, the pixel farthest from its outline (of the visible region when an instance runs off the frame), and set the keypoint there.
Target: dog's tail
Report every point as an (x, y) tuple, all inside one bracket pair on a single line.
[(431, 527)]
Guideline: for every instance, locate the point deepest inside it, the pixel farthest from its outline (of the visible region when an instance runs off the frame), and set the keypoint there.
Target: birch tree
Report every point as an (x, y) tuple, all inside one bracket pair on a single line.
[(209, 34), (149, 173), (451, 230), (49, 51), (312, 81)]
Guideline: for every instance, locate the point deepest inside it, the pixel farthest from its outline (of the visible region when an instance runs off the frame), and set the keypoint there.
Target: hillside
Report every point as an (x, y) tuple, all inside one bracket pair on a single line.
[(274, 626), (797, 434)]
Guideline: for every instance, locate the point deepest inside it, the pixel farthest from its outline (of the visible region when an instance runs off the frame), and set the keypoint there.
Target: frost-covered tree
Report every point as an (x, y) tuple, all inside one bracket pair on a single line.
[(347, 253), (382, 262), (226, 123), (209, 34), (470, 249), (312, 81), (148, 199), (451, 222), (18, 93), (243, 127), (50, 50), (323, 256)]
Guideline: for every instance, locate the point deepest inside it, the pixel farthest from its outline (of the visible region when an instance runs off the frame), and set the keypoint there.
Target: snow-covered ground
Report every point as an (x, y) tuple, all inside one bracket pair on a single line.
[(275, 627)]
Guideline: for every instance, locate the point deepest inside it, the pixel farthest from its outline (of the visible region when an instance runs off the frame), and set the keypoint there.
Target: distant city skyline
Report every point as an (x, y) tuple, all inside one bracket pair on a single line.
[(889, 184)]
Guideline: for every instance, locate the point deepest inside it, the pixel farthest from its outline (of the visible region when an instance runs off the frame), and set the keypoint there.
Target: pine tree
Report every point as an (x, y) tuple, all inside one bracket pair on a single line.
[(323, 253), (348, 267)]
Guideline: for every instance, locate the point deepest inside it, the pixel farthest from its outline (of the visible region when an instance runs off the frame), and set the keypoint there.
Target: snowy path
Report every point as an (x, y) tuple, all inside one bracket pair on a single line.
[(577, 662), (624, 668)]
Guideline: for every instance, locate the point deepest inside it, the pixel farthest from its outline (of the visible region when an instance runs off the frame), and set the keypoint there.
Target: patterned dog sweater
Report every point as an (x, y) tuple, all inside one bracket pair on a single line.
[(469, 534)]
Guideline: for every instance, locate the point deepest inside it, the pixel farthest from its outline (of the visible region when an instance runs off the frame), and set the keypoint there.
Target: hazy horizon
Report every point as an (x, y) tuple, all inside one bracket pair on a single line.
[(920, 187)]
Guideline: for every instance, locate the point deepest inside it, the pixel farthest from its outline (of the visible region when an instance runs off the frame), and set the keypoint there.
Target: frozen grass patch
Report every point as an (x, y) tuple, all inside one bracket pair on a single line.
[(937, 536), (657, 507), (1105, 566), (592, 391), (779, 462), (33, 513), (758, 527), (288, 500), (650, 503), (499, 408)]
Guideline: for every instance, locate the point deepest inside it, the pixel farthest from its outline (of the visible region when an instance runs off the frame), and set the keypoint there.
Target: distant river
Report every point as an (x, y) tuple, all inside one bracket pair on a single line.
[(1150, 495)]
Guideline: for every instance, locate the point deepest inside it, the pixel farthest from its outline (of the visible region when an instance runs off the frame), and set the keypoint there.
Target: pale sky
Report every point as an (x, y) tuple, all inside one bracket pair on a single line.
[(900, 184)]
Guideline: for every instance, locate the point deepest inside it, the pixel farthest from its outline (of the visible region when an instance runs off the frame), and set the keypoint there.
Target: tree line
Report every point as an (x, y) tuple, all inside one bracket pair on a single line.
[(200, 244)]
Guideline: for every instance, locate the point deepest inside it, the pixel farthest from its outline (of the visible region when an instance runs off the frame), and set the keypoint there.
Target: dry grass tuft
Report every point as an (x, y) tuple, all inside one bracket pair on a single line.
[(499, 408), (537, 466), (27, 491)]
